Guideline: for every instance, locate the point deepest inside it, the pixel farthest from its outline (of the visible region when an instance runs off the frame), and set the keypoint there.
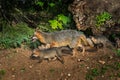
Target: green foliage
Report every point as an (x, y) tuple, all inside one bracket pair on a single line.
[(89, 77), (95, 72), (2, 72), (117, 65), (55, 24), (64, 19), (14, 36), (40, 3), (118, 74), (114, 68), (59, 21), (92, 73), (102, 18), (117, 52), (51, 4)]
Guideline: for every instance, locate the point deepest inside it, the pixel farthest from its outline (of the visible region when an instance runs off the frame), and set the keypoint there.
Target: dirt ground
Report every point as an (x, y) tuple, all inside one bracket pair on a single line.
[(18, 66)]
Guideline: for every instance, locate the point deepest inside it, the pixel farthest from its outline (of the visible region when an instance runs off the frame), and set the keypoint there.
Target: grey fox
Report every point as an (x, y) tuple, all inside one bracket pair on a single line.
[(72, 38), (101, 41), (51, 53)]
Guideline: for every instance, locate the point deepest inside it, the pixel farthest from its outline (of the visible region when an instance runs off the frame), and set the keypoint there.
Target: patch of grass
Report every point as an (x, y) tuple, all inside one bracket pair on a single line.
[(2, 72), (92, 73), (14, 36), (114, 68), (103, 70), (89, 77), (95, 72), (118, 74), (117, 65)]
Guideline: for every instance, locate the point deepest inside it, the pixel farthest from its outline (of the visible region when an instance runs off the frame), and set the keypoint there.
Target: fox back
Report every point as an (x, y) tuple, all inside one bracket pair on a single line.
[(61, 38)]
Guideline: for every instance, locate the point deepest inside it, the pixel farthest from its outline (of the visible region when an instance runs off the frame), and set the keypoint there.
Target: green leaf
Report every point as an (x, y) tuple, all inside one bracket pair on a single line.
[(40, 3), (60, 25), (53, 24), (51, 4), (63, 18)]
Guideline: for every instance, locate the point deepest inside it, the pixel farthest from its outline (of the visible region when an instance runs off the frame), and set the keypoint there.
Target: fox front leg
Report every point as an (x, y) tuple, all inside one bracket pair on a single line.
[(83, 49), (80, 44)]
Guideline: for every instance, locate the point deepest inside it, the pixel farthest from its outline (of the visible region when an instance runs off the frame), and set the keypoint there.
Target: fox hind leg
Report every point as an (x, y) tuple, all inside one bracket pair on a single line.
[(83, 49)]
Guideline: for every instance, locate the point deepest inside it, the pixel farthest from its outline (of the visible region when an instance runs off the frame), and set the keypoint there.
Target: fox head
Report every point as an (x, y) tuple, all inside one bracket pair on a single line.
[(35, 54), (34, 37), (38, 35)]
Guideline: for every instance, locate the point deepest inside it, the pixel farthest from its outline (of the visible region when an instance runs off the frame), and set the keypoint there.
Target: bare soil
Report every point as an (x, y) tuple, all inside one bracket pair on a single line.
[(18, 66)]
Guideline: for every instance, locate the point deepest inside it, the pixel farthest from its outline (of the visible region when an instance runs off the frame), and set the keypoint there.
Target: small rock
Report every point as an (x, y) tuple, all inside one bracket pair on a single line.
[(102, 62), (88, 67), (69, 75), (30, 66), (79, 60), (111, 57), (102, 76), (13, 69), (65, 79), (13, 76), (61, 74)]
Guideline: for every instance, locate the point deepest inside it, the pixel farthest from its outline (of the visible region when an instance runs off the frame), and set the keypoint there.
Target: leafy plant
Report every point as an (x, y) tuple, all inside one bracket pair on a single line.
[(55, 24), (59, 21), (63, 18), (102, 18), (51, 4), (14, 36), (40, 3), (51, 7)]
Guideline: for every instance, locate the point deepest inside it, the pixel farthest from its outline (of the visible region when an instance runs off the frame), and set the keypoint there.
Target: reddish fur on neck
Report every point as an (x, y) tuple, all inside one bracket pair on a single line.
[(39, 36)]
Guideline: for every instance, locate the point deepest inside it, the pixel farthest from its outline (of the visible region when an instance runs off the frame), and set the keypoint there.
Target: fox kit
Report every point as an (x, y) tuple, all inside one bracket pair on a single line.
[(51, 53), (102, 41), (72, 38)]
